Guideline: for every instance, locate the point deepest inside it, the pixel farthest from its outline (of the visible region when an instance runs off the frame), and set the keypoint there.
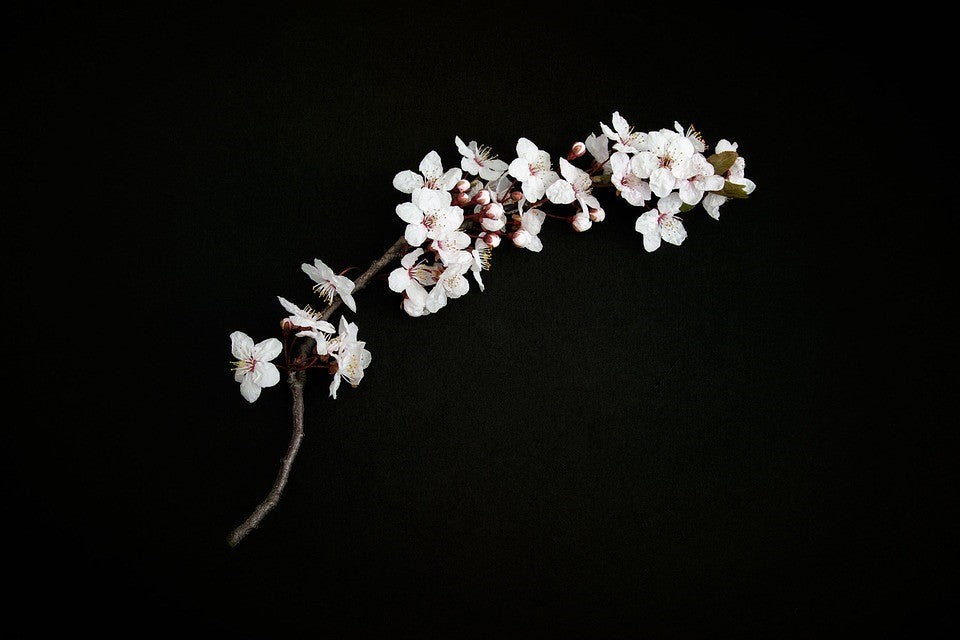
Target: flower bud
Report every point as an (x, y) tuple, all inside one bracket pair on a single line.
[(462, 185), (581, 223), (517, 196), (482, 197), (597, 215), (520, 238), (493, 224), (286, 326), (493, 210), (577, 150), (462, 199), (492, 240)]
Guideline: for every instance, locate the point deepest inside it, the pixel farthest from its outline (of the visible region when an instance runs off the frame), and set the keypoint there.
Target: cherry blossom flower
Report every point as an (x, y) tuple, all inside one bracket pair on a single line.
[(477, 160), (662, 224), (480, 259), (735, 174), (309, 321), (526, 236), (626, 178), (450, 284), (576, 185), (429, 215), (663, 164), (433, 176), (451, 247), (411, 269), (351, 356), (330, 284), (697, 178), (691, 134), (415, 300), (494, 216), (533, 169), (252, 367), (624, 137)]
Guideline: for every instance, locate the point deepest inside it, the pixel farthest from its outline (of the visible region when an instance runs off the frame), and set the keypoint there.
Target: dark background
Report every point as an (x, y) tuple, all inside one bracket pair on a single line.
[(746, 436)]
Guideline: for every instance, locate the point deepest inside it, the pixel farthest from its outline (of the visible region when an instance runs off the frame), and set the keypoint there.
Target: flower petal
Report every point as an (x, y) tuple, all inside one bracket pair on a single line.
[(560, 192), (348, 300), (407, 181), (527, 150), (269, 374), (241, 345), (267, 350), (409, 213), (415, 234), (249, 389), (430, 166), (398, 279)]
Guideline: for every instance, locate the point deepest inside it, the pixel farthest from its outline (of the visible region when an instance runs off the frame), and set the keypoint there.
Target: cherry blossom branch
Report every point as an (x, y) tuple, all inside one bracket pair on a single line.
[(296, 380)]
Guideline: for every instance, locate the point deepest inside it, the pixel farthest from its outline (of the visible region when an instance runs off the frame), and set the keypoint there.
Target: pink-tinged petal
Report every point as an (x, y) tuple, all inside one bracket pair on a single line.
[(647, 223), (712, 202), (449, 179), (689, 192), (334, 385), (348, 300), (527, 150), (520, 169), (560, 192), (662, 182), (249, 389), (415, 234), (462, 148), (672, 231), (409, 213), (651, 241), (398, 279), (430, 166), (407, 181), (267, 350), (241, 345)]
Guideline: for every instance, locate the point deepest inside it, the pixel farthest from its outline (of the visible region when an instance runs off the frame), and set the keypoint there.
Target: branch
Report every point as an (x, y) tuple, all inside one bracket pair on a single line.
[(296, 380)]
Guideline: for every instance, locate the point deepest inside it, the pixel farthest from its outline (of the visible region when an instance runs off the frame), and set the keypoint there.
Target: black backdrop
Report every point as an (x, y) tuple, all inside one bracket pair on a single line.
[(742, 436)]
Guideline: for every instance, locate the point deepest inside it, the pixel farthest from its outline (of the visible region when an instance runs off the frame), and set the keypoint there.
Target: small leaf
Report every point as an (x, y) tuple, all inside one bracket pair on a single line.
[(722, 161), (686, 207), (731, 190)]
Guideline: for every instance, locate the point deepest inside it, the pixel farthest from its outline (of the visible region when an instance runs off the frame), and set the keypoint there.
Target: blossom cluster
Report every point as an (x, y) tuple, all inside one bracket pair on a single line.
[(457, 217)]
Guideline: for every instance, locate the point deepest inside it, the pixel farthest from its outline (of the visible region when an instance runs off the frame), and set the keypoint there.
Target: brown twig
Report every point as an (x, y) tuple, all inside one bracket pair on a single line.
[(296, 381)]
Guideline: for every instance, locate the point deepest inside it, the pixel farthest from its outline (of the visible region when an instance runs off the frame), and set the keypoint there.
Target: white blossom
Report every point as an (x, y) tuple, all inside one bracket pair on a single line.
[(431, 176), (411, 269), (309, 321), (624, 137), (477, 160), (415, 299), (626, 178), (663, 164), (429, 215), (252, 367), (697, 178), (451, 247), (662, 224), (576, 185), (351, 356), (691, 134), (526, 237), (735, 174), (450, 284), (328, 284), (533, 169)]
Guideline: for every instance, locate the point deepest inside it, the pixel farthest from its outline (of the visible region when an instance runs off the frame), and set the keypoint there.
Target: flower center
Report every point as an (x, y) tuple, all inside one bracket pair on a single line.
[(326, 290), (247, 365), (430, 220)]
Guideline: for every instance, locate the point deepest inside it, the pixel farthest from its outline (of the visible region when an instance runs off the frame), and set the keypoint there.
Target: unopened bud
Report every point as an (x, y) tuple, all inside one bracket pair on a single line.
[(520, 238), (517, 196), (597, 215), (482, 197), (286, 326), (462, 185), (577, 150), (493, 224), (462, 199), (581, 223), (493, 210), (492, 240)]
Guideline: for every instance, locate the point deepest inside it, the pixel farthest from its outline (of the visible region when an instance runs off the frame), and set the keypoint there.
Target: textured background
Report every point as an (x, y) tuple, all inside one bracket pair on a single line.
[(743, 436)]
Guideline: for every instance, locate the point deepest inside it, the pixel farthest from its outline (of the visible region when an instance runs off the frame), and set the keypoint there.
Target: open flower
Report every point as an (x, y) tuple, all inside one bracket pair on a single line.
[(429, 215), (411, 269), (575, 186), (252, 367), (696, 178), (431, 176), (662, 224), (626, 178), (451, 247), (663, 164), (691, 134), (415, 300), (624, 137), (450, 284), (526, 237), (310, 324), (533, 169), (328, 284), (351, 356), (478, 160), (735, 174)]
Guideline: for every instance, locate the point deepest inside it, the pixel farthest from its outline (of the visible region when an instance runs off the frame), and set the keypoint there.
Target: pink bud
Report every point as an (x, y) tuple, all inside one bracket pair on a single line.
[(493, 210), (482, 197), (520, 238), (581, 223), (597, 215), (492, 240), (577, 150), (462, 199), (517, 196), (462, 185), (286, 325)]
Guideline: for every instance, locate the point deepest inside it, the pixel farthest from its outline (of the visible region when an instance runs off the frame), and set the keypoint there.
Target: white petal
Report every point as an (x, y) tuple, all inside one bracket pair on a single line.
[(560, 192), (662, 181), (712, 202), (527, 150), (534, 188), (334, 385), (620, 163), (535, 244), (725, 145), (398, 279), (241, 345), (430, 166), (689, 192), (670, 203), (493, 169), (462, 148), (436, 299), (713, 183), (249, 389), (568, 171), (449, 179), (620, 124), (672, 231), (607, 132), (647, 223), (457, 286), (348, 300), (409, 213), (267, 350), (269, 374), (411, 258), (415, 234), (520, 169), (651, 241), (470, 166), (407, 181)]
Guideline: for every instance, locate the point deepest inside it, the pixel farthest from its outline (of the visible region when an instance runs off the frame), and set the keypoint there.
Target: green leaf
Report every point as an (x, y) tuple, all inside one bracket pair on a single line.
[(731, 190), (686, 207), (722, 161)]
